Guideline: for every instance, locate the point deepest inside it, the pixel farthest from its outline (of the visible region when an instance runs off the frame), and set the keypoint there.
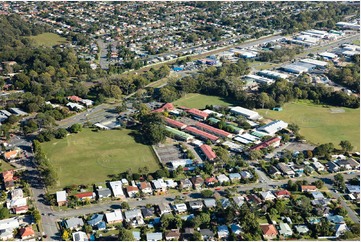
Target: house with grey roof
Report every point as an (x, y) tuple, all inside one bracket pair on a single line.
[(164, 208), (301, 229), (103, 193), (154, 236), (234, 176), (238, 201), (73, 223), (207, 234), (196, 205), (134, 216), (285, 230), (209, 202)]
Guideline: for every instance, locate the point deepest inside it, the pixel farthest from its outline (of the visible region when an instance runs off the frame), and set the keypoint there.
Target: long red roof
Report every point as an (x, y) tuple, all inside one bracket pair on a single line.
[(212, 129), (198, 112), (84, 194), (201, 133), (175, 123), (266, 143), (207, 150), (167, 106)]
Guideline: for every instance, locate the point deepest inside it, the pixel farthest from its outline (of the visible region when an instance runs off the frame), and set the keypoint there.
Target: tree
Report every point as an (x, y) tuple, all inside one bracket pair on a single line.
[(36, 215), (339, 181), (65, 236), (125, 235), (264, 99), (60, 133), (75, 128), (4, 213), (255, 154), (346, 146), (124, 205), (207, 193), (319, 184), (153, 129)]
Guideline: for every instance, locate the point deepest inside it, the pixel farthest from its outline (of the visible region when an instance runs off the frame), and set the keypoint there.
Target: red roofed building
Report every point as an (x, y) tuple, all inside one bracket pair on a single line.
[(8, 175), (212, 130), (208, 152), (275, 142), (308, 188), (201, 134), (27, 232), (269, 231), (282, 194), (198, 113), (132, 191), (74, 98), (175, 123), (210, 181), (21, 209), (167, 106), (84, 195)]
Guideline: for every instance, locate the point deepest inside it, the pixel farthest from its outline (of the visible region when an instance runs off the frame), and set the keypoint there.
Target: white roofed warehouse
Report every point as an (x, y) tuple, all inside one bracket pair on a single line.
[(253, 115), (273, 127)]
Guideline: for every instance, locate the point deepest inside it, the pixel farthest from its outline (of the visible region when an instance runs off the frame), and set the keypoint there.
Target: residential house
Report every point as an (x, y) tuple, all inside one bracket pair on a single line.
[(180, 208), (80, 236), (222, 178), (238, 201), (197, 182), (234, 177), (209, 203), (207, 234), (285, 230), (114, 217), (318, 166), (273, 172), (286, 170), (95, 219), (10, 155), (117, 189), (210, 181), (20, 202), (349, 164), (282, 194), (196, 205), (332, 166), (317, 195), (253, 199), (154, 236), (73, 223), (125, 182), (302, 229), (134, 216), (354, 189), (307, 188), (336, 219), (160, 187), (225, 203), (170, 183), (267, 196), (26, 233), (132, 191), (236, 229), (21, 209), (17, 194), (83, 196), (246, 175), (208, 152), (147, 212), (188, 234), (103, 193), (74, 98), (222, 232), (164, 208), (340, 229), (172, 235), (186, 184), (7, 227), (269, 231), (146, 188), (61, 198)]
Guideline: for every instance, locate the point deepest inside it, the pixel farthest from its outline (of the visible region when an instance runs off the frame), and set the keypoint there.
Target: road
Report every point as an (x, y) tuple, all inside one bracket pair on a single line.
[(103, 60)]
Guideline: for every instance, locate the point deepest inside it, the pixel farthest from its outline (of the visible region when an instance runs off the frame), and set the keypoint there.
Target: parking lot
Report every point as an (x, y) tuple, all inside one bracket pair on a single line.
[(168, 153), (299, 147)]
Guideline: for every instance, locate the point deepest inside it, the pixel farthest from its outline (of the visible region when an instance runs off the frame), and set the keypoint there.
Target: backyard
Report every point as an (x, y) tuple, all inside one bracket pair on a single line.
[(48, 39), (89, 157), (321, 124), (196, 100)]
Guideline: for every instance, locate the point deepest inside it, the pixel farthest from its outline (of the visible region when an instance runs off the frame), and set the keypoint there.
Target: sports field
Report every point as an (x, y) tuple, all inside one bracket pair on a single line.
[(48, 39), (196, 100), (89, 157), (321, 124)]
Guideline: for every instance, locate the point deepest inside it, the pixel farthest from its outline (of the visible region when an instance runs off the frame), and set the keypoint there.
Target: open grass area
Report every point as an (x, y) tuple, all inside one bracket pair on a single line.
[(5, 166), (196, 100), (90, 157), (356, 42), (48, 39), (318, 124)]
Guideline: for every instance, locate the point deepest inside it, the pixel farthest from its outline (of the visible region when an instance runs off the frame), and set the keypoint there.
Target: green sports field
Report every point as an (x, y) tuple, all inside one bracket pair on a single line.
[(48, 39), (89, 157), (321, 124), (196, 100)]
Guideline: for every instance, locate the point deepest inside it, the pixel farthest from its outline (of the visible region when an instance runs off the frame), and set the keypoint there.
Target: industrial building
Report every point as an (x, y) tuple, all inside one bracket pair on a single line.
[(273, 127), (260, 79), (179, 134), (273, 74), (328, 55), (317, 63), (346, 25), (298, 67), (253, 115)]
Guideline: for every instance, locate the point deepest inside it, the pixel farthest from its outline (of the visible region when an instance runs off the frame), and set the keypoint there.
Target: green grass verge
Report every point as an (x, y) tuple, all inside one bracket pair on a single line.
[(5, 166), (318, 124), (48, 39), (90, 157), (356, 42), (196, 100)]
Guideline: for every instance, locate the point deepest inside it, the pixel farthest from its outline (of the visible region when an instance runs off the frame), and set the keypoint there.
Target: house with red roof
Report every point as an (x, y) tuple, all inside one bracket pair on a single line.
[(27, 232), (208, 152), (269, 231), (165, 107), (198, 114), (212, 130), (10, 155), (74, 98), (146, 188), (21, 209), (175, 124), (210, 181), (282, 194), (132, 191), (85, 195), (8, 175), (201, 134), (308, 188)]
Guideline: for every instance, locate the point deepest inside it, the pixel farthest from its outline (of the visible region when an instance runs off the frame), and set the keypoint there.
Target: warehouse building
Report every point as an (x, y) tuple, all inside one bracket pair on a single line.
[(273, 127), (260, 79), (179, 134), (253, 115), (317, 63), (328, 55), (346, 25), (298, 67), (273, 74)]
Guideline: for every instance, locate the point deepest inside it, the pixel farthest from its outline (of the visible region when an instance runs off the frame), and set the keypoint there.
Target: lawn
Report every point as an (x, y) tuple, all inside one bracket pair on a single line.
[(196, 100), (356, 42), (318, 124), (48, 39), (5, 166), (90, 157)]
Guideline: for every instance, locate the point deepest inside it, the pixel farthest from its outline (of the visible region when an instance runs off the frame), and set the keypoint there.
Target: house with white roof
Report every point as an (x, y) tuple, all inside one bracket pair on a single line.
[(180, 208), (318, 166), (249, 114), (117, 189), (268, 196), (114, 217), (61, 198), (285, 230), (159, 186), (273, 127), (222, 178), (80, 236)]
